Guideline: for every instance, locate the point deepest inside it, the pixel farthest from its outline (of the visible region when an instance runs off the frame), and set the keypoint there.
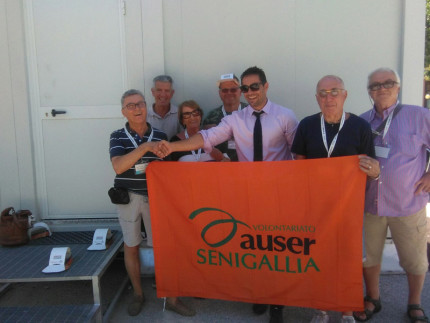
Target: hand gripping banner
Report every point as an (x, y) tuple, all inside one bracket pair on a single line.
[(287, 232)]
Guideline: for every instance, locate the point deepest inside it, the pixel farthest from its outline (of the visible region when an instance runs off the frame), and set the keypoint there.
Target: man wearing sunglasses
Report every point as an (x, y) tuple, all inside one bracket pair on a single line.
[(229, 93), (262, 131), (398, 199)]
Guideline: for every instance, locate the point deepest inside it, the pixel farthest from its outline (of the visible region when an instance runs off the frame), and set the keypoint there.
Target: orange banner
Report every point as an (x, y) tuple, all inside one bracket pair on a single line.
[(286, 232)]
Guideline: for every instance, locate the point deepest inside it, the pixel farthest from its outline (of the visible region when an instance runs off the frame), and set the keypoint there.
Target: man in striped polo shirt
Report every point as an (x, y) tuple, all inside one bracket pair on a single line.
[(130, 153)]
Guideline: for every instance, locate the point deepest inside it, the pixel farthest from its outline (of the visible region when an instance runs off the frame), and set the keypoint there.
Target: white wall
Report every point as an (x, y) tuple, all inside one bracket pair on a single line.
[(17, 187), (295, 42), (412, 49), (8, 151)]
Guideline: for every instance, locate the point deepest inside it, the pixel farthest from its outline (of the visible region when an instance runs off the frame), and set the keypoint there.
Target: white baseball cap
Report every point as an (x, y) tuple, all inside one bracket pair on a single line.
[(228, 77)]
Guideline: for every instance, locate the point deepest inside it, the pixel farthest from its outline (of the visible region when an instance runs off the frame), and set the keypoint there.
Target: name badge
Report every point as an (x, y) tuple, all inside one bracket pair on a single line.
[(231, 144), (101, 239), (382, 152), (140, 168), (59, 260)]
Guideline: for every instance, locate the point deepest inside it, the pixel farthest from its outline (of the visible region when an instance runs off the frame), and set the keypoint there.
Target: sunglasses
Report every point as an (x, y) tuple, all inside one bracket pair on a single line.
[(134, 106), (385, 85), (253, 87), (231, 90), (187, 115), (332, 92)]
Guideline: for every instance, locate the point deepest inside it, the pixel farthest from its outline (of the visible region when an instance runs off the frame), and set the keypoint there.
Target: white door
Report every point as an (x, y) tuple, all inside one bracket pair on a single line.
[(79, 65)]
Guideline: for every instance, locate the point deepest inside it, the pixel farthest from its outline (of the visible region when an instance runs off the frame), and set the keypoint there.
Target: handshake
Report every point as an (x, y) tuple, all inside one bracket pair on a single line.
[(160, 148), (164, 148)]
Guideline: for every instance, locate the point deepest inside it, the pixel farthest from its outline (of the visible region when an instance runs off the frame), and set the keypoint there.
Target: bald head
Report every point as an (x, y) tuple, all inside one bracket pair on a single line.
[(331, 96), (330, 77)]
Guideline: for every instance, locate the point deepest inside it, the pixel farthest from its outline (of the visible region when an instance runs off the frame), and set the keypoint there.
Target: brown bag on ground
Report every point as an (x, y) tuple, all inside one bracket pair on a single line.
[(14, 226)]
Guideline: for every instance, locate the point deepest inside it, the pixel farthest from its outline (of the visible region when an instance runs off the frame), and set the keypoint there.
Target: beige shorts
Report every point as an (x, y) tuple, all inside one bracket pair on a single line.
[(409, 237), (130, 216), (428, 230)]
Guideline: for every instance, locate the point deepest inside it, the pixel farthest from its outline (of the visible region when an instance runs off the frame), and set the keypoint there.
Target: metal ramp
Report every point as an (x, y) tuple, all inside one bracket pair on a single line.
[(22, 264)]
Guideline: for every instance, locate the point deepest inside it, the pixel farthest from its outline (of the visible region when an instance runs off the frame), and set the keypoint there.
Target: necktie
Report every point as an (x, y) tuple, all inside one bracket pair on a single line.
[(258, 137)]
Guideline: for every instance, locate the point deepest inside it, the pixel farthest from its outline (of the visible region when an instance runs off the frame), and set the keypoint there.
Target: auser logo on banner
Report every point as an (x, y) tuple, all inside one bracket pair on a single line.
[(277, 248), (271, 232)]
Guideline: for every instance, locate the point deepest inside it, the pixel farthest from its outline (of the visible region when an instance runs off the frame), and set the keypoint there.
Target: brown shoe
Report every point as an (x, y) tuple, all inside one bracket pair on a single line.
[(180, 308), (136, 305)]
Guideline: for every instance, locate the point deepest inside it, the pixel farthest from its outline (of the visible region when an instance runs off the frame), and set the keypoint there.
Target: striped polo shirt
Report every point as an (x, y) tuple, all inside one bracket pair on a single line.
[(120, 144)]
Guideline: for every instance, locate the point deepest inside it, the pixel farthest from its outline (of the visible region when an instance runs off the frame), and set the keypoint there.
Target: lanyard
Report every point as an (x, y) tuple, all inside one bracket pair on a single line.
[(388, 122), (387, 125), (225, 113), (324, 135), (196, 156), (132, 139)]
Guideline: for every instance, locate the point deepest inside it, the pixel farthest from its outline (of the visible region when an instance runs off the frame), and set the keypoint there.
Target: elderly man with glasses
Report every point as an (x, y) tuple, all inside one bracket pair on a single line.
[(334, 133), (262, 131), (130, 153), (229, 92), (398, 199)]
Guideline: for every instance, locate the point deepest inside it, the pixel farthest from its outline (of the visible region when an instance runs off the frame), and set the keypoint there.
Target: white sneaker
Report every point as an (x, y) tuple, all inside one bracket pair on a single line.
[(321, 317), (347, 319)]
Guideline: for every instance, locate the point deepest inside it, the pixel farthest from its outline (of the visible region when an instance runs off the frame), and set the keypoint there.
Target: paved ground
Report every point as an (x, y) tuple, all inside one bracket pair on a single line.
[(393, 289)]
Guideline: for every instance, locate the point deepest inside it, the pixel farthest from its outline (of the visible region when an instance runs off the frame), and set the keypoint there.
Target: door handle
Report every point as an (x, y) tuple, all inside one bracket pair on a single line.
[(55, 112)]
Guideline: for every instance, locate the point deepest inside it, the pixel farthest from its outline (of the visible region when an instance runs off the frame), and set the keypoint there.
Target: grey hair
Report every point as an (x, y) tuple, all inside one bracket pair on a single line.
[(383, 70), (337, 78), (130, 93), (163, 78)]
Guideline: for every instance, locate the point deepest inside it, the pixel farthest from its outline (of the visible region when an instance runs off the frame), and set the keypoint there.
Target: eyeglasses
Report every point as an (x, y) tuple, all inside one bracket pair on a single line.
[(231, 90), (333, 92), (134, 106), (187, 115), (253, 87), (385, 85)]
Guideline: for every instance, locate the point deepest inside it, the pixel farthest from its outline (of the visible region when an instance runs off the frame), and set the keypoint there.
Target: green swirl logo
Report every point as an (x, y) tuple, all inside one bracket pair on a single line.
[(232, 220)]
